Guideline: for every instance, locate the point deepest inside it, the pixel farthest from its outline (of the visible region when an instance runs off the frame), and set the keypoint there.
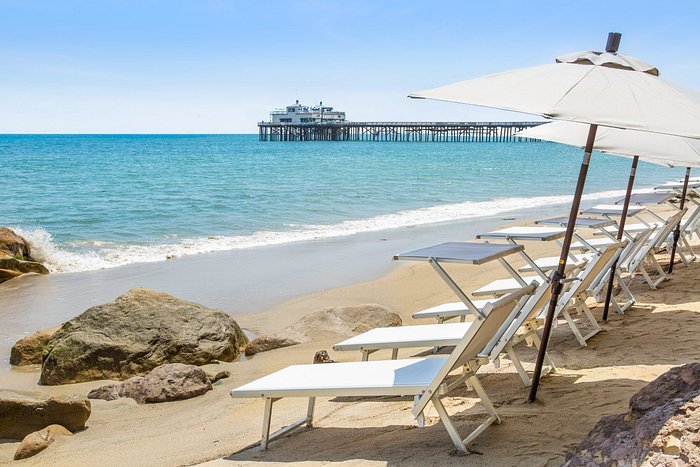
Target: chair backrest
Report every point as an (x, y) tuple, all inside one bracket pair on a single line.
[(636, 244), (596, 266), (499, 315), (662, 235), (529, 311), (668, 228)]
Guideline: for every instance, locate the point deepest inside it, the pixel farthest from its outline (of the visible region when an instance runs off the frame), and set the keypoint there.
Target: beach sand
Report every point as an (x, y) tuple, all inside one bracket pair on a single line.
[(656, 334)]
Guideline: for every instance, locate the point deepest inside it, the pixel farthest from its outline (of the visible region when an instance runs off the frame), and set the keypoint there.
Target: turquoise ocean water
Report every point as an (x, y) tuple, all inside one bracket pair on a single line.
[(91, 202)]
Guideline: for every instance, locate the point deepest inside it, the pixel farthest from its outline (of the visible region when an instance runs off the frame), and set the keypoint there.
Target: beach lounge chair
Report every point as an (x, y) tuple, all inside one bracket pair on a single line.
[(423, 378), (439, 335), (582, 287), (645, 255)]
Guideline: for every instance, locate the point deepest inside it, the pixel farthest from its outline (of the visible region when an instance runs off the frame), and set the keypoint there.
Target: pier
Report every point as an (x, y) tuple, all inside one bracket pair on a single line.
[(465, 132)]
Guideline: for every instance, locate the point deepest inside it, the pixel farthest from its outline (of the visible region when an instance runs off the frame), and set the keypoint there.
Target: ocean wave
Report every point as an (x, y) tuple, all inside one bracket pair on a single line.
[(94, 255)]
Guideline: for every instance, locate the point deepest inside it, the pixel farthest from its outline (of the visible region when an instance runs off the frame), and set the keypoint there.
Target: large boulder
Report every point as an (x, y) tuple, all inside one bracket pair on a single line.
[(342, 321), (15, 256), (24, 412), (134, 334), (169, 382), (29, 350), (661, 428), (37, 441)]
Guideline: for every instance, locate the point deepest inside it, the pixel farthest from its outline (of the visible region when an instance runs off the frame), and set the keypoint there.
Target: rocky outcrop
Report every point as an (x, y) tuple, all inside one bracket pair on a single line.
[(661, 428), (24, 412), (15, 256), (37, 441), (265, 343), (343, 321), (170, 382), (28, 350), (136, 333)]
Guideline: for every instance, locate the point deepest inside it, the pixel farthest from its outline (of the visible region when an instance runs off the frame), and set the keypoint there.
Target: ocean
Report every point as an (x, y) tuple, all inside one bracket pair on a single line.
[(90, 202)]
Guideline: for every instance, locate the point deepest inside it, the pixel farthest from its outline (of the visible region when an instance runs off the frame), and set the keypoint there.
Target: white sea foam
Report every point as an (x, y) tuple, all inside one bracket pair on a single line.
[(101, 255)]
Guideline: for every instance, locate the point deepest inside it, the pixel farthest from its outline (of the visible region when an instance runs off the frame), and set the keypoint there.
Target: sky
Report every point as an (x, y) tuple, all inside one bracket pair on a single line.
[(217, 66)]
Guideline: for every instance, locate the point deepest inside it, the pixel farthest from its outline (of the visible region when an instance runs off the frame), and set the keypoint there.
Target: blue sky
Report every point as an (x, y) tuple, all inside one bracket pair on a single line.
[(220, 66)]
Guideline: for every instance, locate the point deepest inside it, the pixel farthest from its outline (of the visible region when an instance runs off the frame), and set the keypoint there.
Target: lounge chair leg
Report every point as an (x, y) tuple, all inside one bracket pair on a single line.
[(394, 354), (591, 319), (490, 409), (547, 360), (420, 419), (518, 365), (310, 412), (449, 426), (267, 416), (574, 329), (647, 278)]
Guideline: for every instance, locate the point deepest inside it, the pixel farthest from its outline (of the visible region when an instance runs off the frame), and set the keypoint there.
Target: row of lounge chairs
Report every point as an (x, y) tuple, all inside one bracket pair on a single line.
[(513, 315)]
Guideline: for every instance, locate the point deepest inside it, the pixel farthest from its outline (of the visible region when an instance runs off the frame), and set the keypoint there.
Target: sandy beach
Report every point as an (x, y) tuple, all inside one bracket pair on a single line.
[(656, 334)]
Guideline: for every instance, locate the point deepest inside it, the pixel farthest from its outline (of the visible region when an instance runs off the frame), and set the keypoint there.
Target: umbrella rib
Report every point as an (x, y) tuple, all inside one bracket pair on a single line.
[(576, 84)]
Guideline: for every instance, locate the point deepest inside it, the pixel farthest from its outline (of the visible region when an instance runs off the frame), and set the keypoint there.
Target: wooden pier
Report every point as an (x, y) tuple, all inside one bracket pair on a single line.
[(465, 132)]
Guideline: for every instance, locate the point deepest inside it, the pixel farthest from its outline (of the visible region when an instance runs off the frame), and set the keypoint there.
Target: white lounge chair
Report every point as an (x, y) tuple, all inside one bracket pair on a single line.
[(582, 287), (645, 255), (440, 335), (423, 378)]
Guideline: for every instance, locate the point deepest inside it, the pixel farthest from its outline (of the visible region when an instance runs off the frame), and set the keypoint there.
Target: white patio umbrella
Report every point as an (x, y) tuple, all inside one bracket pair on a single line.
[(656, 148), (660, 149), (598, 88)]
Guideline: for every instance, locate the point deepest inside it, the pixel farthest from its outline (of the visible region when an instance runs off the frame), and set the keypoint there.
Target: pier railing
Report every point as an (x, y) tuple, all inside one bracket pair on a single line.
[(395, 131)]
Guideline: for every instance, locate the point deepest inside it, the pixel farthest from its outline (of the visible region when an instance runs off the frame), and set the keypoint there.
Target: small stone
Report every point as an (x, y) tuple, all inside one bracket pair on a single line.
[(672, 447), (37, 441), (323, 357)]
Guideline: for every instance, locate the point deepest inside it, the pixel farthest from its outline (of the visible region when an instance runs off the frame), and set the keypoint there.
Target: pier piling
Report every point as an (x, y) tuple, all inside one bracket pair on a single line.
[(394, 131)]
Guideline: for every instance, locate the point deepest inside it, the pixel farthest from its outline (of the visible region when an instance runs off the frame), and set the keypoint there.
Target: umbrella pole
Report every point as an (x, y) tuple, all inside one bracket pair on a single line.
[(620, 233), (559, 274), (677, 232)]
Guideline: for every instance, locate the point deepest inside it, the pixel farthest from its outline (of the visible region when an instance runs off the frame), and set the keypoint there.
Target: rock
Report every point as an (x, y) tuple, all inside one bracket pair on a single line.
[(136, 333), (15, 256), (220, 375), (672, 446), (265, 343), (37, 441), (24, 412), (169, 382), (15, 246), (661, 428), (344, 321), (28, 350), (322, 357)]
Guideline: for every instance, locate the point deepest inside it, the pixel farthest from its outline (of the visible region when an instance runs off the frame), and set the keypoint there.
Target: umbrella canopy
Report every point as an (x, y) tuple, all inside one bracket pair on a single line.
[(660, 149), (605, 89)]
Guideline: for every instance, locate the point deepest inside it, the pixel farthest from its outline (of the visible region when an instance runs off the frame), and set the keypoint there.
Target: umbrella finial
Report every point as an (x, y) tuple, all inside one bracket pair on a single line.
[(613, 42)]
